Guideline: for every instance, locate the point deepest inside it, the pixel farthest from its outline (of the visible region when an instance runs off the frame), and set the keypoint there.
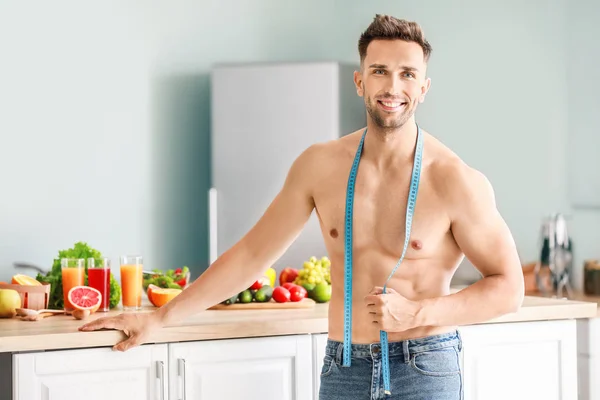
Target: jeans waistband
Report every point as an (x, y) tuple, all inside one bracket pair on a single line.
[(400, 348)]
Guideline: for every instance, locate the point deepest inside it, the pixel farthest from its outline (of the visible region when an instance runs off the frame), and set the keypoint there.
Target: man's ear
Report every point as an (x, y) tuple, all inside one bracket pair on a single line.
[(424, 89), (358, 83)]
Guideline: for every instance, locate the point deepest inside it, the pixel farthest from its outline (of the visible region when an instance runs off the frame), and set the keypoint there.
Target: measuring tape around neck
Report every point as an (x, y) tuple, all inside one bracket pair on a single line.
[(410, 207)]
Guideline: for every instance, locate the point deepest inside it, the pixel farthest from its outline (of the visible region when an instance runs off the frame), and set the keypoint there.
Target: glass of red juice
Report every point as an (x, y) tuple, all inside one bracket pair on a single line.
[(99, 279)]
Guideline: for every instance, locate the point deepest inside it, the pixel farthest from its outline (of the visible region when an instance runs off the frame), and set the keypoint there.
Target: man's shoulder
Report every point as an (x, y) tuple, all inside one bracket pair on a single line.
[(332, 149)]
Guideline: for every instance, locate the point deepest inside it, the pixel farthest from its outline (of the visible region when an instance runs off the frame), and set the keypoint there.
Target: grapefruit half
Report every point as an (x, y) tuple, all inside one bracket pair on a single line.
[(85, 298)]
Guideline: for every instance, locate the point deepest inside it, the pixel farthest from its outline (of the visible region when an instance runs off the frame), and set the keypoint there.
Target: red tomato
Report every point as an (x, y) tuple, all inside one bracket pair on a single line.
[(289, 285), (298, 293), (281, 294)]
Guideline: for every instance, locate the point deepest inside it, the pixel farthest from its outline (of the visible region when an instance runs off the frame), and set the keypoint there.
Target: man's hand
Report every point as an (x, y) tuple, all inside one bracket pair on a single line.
[(391, 311), (136, 326)]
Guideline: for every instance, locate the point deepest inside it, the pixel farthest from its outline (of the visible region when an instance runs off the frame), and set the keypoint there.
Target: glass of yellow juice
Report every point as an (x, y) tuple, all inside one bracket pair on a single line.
[(131, 282), (73, 271)]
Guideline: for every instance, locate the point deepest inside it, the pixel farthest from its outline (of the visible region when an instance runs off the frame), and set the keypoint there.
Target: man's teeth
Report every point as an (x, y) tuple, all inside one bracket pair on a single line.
[(388, 104)]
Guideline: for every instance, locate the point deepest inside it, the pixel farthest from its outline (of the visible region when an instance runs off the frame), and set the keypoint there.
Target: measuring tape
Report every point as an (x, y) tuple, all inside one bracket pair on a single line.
[(410, 208)]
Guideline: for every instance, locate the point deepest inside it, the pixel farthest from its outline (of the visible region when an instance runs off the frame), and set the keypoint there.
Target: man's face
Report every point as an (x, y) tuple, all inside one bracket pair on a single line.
[(392, 81)]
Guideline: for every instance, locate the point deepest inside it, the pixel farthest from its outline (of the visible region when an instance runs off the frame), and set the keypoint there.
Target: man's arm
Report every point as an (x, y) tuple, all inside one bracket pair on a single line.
[(483, 236), (237, 268)]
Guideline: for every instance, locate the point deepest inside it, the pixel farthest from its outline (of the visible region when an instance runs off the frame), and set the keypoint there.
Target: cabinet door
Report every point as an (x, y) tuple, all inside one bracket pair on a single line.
[(529, 360), (319, 344), (266, 368), (92, 374)]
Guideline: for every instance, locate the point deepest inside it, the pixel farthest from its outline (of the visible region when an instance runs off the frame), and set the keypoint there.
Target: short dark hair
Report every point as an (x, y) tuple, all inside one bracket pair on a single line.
[(385, 27)]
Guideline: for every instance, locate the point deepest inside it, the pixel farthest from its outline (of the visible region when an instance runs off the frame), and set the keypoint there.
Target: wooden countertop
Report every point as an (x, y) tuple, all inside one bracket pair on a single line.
[(61, 332)]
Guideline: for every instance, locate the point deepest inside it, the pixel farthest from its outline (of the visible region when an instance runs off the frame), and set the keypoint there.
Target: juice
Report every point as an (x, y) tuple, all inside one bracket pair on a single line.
[(99, 279), (131, 286), (72, 275)]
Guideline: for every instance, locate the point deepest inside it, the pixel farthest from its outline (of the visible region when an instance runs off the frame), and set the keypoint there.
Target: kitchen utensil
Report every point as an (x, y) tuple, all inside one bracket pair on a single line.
[(23, 312), (556, 256)]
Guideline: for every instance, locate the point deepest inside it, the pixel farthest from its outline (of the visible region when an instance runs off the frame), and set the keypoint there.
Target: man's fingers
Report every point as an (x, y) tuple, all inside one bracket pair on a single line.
[(376, 290), (101, 323), (127, 344), (373, 299)]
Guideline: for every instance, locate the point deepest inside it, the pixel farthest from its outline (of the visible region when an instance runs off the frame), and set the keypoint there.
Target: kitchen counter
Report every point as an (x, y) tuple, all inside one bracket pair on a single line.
[(61, 332)]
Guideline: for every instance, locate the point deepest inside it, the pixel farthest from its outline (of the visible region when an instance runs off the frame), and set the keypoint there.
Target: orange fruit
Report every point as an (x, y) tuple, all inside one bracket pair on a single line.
[(149, 290), (85, 298), (21, 279), (159, 297)]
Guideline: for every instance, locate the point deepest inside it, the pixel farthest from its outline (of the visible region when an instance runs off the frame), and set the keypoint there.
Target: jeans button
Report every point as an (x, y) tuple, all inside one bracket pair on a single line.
[(375, 349)]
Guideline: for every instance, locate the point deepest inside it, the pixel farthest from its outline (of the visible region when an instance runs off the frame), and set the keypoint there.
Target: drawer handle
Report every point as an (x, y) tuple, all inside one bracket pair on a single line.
[(181, 371), (160, 374)]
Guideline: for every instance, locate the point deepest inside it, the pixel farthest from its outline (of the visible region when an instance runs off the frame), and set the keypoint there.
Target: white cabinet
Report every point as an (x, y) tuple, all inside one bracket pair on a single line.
[(520, 361), (319, 342), (588, 337), (92, 374), (265, 368)]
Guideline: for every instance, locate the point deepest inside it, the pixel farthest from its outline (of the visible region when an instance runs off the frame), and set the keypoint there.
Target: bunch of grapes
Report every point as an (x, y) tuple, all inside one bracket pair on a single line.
[(314, 271)]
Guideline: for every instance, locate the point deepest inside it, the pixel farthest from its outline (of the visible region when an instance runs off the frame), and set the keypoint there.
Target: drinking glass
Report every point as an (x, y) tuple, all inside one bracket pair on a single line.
[(131, 282), (73, 271), (99, 279)]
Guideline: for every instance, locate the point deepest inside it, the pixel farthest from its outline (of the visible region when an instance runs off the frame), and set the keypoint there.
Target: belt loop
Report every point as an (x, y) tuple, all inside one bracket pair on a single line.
[(338, 354), (406, 351), (459, 340)]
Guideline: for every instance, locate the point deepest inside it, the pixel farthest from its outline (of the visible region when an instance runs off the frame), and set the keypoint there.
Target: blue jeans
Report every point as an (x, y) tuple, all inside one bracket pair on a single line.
[(423, 368)]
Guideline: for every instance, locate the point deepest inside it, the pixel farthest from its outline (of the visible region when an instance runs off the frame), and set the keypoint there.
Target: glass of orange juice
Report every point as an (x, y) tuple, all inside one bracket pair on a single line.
[(73, 271), (131, 282)]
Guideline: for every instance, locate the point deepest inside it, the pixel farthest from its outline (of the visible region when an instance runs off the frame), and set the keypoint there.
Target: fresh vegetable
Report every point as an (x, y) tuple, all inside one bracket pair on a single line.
[(281, 294), (54, 276), (246, 296), (264, 294), (171, 279), (262, 281), (297, 293)]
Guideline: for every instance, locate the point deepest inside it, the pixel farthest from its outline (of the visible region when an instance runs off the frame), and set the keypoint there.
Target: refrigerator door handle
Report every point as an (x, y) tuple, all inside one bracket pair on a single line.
[(212, 215)]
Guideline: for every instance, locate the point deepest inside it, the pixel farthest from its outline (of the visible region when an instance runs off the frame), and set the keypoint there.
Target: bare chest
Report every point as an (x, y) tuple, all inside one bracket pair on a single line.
[(379, 215)]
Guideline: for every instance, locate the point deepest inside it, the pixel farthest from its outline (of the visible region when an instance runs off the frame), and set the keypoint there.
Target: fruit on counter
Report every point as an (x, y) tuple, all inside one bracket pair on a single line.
[(85, 298), (281, 294), (314, 271), (170, 279), (264, 294), (233, 299), (272, 275), (80, 314), (25, 280), (262, 281), (10, 300), (160, 296), (288, 274), (261, 295), (321, 292), (246, 296), (54, 277), (297, 293)]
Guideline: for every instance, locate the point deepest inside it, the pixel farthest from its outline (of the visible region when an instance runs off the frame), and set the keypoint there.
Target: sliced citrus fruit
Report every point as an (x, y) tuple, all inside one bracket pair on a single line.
[(159, 297), (151, 287), (21, 279), (85, 298)]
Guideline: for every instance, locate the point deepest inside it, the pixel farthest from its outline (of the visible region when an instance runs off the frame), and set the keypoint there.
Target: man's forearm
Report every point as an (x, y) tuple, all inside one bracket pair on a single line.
[(231, 273), (486, 299)]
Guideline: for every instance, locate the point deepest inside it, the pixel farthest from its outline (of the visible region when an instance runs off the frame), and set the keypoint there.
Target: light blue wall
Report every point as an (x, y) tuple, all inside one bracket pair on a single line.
[(105, 129)]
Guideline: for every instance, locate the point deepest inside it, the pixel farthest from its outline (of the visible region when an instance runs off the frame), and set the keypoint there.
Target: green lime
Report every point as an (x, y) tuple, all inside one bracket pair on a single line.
[(321, 293)]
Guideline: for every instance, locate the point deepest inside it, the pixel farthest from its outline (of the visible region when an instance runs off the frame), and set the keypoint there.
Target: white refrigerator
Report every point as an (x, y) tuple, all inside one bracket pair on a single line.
[(262, 117)]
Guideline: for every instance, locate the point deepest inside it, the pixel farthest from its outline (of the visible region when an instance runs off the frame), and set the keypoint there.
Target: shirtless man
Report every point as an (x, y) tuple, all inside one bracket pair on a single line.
[(455, 216)]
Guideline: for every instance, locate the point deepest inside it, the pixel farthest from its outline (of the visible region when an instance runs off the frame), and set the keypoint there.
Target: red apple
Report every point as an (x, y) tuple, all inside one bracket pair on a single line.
[(287, 275)]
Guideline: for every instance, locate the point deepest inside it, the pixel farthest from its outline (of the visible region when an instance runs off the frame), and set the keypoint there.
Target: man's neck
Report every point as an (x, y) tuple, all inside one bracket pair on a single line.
[(387, 148)]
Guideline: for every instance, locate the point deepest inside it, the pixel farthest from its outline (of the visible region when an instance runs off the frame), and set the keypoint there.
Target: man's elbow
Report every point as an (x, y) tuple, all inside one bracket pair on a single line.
[(514, 293)]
